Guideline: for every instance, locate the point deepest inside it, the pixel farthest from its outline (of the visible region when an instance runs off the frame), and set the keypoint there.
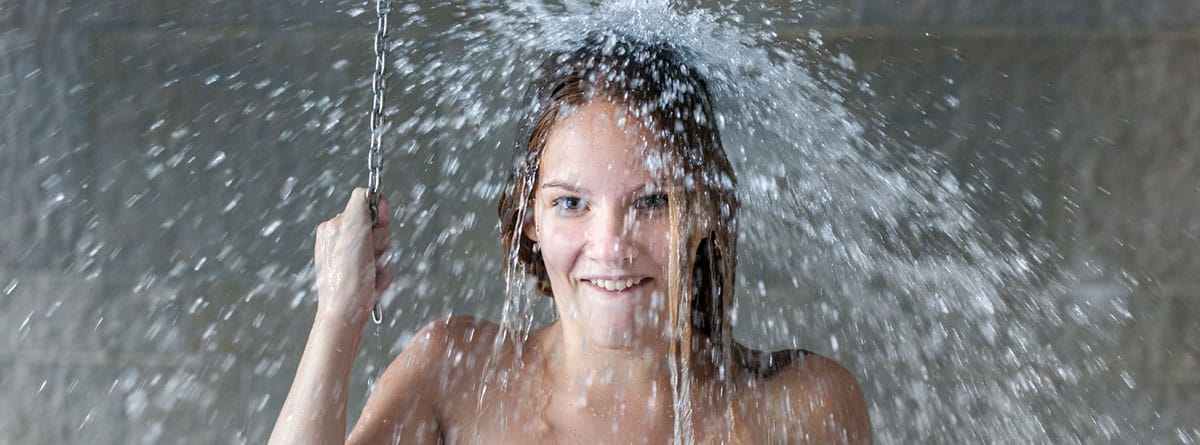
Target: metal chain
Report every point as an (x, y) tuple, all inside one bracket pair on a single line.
[(375, 155)]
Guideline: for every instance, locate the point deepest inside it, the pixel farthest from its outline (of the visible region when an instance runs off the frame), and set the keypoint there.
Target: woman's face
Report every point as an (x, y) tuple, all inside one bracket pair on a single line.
[(602, 223)]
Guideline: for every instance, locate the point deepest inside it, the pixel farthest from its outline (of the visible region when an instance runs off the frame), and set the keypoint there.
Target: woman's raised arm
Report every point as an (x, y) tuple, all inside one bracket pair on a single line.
[(352, 272)]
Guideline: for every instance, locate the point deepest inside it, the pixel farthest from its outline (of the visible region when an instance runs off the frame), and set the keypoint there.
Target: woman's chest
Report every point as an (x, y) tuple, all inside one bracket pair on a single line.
[(532, 417)]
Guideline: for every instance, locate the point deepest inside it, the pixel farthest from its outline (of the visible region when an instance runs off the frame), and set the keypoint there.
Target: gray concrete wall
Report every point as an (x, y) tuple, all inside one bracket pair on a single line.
[(163, 163), (1100, 127)]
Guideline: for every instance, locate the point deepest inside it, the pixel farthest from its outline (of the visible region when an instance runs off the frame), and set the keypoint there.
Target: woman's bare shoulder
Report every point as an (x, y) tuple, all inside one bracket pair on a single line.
[(440, 363), (811, 390), (793, 367), (456, 332), (453, 347)]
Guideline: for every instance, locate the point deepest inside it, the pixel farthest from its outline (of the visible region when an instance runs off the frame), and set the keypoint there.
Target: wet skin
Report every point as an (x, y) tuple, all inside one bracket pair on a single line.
[(600, 373)]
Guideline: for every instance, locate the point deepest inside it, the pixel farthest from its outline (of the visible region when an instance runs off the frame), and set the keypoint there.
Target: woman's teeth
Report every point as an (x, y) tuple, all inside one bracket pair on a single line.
[(617, 285)]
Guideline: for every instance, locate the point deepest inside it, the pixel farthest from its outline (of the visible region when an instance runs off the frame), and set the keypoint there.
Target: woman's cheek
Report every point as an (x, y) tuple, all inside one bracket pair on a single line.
[(657, 239), (558, 244)]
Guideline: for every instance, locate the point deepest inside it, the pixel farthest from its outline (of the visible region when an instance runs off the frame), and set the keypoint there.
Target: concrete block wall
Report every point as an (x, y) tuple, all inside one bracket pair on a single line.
[(1106, 123), (163, 163)]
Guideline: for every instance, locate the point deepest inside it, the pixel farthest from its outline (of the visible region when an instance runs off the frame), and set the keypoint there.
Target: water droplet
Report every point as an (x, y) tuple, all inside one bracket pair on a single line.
[(951, 101), (216, 159), (153, 170), (272, 227)]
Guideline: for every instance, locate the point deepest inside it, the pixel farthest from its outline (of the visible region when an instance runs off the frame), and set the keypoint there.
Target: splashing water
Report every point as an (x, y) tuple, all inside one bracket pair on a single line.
[(853, 244), (850, 241)]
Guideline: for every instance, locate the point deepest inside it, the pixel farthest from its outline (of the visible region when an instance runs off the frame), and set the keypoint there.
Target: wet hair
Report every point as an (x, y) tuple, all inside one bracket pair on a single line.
[(654, 82)]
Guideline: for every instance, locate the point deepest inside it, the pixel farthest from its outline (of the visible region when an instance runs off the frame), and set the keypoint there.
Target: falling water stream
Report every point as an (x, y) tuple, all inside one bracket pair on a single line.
[(866, 248), (854, 243)]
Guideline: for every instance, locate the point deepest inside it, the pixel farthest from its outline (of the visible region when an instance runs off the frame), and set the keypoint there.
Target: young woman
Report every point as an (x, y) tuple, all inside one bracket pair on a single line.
[(620, 204)]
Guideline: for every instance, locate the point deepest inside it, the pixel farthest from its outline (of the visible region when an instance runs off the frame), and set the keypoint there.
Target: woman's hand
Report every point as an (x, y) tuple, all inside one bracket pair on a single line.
[(352, 271), (352, 267)]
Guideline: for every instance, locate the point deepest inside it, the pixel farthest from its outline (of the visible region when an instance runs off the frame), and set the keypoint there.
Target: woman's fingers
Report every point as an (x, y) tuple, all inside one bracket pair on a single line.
[(382, 239), (356, 208), (383, 214), (383, 278)]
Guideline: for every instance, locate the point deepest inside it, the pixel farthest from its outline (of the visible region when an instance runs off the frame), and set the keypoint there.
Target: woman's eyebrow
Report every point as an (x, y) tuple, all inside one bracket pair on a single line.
[(570, 187), (649, 188)]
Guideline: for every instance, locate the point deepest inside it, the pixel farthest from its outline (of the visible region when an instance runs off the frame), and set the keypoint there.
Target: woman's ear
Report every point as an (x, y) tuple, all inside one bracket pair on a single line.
[(529, 229)]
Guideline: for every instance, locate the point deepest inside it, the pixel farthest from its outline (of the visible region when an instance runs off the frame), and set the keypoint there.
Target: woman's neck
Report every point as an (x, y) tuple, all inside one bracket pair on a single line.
[(588, 373), (632, 386)]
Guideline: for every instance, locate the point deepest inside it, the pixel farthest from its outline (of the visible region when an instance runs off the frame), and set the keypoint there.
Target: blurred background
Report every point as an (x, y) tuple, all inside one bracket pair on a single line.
[(163, 164)]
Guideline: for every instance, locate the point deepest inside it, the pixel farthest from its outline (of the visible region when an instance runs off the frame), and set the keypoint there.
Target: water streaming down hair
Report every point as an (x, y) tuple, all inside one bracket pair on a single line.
[(670, 99)]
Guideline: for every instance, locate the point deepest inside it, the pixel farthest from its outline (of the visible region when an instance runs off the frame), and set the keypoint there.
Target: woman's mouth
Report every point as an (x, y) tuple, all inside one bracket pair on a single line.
[(616, 285)]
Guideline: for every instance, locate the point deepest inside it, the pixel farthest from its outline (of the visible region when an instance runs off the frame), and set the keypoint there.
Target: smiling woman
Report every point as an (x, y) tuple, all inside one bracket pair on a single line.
[(632, 232)]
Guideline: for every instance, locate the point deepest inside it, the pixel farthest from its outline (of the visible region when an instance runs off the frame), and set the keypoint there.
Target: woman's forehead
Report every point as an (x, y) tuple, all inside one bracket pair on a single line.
[(603, 109), (594, 149), (600, 131)]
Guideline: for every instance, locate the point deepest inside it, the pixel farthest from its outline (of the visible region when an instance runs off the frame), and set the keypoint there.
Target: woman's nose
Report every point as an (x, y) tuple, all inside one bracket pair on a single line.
[(610, 238)]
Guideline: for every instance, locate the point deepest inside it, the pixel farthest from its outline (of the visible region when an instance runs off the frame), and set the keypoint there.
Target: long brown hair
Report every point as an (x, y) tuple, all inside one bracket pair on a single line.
[(673, 100)]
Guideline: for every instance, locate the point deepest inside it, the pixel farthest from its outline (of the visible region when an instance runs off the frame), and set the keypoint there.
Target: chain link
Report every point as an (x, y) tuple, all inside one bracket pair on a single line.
[(378, 87), (375, 154)]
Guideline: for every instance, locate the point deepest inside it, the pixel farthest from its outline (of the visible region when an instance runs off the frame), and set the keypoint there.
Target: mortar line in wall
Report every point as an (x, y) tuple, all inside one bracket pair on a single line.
[(986, 33), (233, 31), (85, 358), (1182, 379), (1168, 291), (960, 32)]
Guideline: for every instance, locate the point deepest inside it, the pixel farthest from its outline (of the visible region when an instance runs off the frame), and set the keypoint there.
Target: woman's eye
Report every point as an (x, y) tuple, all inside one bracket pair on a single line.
[(568, 204), (652, 202)]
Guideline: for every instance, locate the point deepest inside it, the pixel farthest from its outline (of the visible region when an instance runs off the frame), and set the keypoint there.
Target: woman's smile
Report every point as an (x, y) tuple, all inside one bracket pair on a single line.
[(617, 285)]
